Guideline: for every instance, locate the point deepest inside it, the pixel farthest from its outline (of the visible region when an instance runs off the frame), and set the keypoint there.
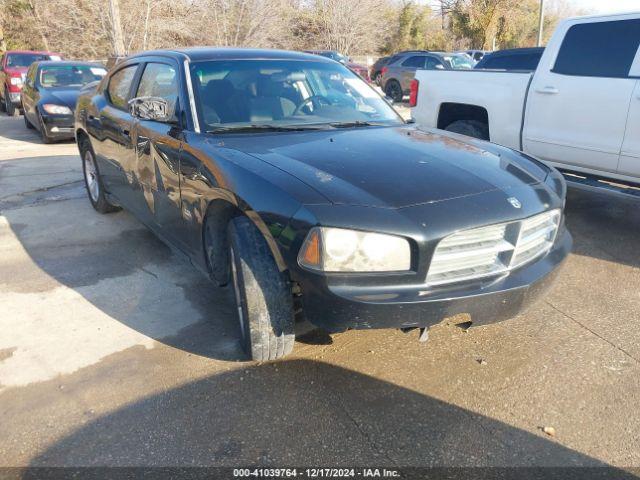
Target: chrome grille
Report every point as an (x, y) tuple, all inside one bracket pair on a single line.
[(492, 250)]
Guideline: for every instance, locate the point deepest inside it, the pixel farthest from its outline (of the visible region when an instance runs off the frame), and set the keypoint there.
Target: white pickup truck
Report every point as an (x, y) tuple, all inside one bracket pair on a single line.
[(579, 111)]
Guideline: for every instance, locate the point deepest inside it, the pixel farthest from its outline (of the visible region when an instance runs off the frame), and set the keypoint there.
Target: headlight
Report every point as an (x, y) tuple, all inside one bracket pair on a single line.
[(341, 250), (16, 80), (56, 109)]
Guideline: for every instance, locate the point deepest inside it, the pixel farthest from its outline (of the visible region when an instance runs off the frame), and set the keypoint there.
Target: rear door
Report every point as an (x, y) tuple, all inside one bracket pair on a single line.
[(578, 101), (115, 151), (158, 147), (409, 67)]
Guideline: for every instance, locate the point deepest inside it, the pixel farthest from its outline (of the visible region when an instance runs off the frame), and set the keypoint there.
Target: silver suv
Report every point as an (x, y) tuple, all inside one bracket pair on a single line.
[(395, 77)]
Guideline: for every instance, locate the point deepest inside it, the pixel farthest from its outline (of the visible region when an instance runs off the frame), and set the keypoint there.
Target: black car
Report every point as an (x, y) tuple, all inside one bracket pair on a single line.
[(525, 59), (50, 92), (288, 176)]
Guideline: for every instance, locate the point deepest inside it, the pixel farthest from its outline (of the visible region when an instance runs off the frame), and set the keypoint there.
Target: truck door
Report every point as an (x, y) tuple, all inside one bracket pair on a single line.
[(630, 153), (578, 101)]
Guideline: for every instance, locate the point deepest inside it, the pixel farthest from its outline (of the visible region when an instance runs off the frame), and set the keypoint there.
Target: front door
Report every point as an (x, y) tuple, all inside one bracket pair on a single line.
[(577, 108), (158, 149)]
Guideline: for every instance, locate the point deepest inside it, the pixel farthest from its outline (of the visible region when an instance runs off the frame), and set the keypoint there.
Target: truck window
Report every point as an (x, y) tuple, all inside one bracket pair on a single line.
[(600, 49), (519, 61), (416, 62)]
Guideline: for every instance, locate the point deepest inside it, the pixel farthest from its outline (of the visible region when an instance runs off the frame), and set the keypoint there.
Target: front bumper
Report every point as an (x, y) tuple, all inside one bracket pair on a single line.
[(59, 126), (338, 306)]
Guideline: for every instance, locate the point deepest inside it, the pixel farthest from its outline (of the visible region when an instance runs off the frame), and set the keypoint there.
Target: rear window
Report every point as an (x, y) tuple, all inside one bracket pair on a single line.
[(601, 49), (417, 62), (522, 61)]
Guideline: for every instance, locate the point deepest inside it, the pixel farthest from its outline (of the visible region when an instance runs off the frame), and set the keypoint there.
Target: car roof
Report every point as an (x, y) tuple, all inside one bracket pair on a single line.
[(68, 63), (227, 53)]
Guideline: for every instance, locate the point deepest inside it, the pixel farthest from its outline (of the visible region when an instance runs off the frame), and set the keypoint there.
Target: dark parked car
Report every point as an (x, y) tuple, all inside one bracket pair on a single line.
[(13, 69), (396, 76), (49, 96), (513, 59), (289, 177)]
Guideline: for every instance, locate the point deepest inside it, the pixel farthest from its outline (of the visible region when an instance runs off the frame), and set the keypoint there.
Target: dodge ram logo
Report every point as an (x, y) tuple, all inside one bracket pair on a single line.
[(515, 202)]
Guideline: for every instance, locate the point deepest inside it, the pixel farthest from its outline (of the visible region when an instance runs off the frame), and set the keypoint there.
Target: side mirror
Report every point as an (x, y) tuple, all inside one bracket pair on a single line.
[(439, 67), (156, 109)]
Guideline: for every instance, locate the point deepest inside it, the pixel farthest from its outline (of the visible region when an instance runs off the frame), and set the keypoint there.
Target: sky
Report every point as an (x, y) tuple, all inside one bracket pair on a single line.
[(608, 6)]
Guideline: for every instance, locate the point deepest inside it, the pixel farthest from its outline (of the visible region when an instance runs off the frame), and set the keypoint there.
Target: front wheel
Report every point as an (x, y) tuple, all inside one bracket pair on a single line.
[(263, 294), (9, 107), (43, 131), (27, 123), (92, 180)]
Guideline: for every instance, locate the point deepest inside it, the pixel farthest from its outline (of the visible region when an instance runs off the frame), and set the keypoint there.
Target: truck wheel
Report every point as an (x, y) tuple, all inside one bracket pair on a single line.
[(9, 107), (2, 106), (471, 128), (393, 90), (92, 180), (263, 295)]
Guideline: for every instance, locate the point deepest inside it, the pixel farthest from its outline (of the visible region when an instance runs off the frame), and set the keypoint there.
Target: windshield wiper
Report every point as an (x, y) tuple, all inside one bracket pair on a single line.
[(262, 128), (357, 123)]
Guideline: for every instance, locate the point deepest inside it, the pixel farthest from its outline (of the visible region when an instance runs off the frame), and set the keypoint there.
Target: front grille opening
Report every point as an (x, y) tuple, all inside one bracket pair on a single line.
[(492, 250)]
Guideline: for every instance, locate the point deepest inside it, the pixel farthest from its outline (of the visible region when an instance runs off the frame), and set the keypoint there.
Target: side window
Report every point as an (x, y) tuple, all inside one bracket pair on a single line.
[(159, 80), (601, 49), (414, 62), (433, 64), (120, 85)]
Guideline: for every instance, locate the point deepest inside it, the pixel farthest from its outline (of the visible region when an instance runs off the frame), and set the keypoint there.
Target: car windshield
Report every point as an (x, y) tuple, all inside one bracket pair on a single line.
[(459, 61), (257, 94), (23, 60), (56, 76)]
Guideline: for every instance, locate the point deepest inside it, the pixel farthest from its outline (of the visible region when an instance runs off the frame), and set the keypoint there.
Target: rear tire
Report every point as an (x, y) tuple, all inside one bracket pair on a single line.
[(393, 90), (263, 294), (471, 128), (92, 180)]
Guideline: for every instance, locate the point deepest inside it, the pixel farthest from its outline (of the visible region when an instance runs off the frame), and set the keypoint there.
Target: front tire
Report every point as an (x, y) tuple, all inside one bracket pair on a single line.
[(92, 180), (9, 107), (263, 294), (471, 128), (27, 123), (46, 139)]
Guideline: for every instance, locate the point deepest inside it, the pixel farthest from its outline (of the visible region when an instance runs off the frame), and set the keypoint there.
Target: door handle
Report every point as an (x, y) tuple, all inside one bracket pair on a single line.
[(549, 90)]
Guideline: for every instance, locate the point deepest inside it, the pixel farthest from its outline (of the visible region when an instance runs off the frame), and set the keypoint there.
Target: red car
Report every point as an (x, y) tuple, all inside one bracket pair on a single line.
[(13, 69), (356, 68)]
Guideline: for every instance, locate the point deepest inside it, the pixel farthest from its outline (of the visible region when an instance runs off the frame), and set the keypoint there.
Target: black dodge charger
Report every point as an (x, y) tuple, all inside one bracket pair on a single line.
[(286, 175)]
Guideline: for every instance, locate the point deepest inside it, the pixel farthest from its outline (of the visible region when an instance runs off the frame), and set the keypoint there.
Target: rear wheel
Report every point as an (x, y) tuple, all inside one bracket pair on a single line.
[(92, 180), (471, 128), (393, 90), (263, 295)]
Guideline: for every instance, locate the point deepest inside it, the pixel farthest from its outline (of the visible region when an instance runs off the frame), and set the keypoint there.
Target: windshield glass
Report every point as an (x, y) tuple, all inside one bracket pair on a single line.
[(459, 61), (285, 93), (70, 75), (22, 60)]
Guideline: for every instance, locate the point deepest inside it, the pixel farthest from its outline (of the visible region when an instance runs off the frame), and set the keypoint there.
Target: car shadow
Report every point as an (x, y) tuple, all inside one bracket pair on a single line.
[(302, 413), (604, 226)]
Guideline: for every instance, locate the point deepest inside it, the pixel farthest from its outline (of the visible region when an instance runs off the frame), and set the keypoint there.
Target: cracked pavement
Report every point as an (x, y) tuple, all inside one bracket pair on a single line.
[(115, 351)]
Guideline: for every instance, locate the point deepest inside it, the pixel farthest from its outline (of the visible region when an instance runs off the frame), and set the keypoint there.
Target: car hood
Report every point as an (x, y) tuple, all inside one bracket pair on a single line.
[(60, 96), (15, 71), (391, 167)]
